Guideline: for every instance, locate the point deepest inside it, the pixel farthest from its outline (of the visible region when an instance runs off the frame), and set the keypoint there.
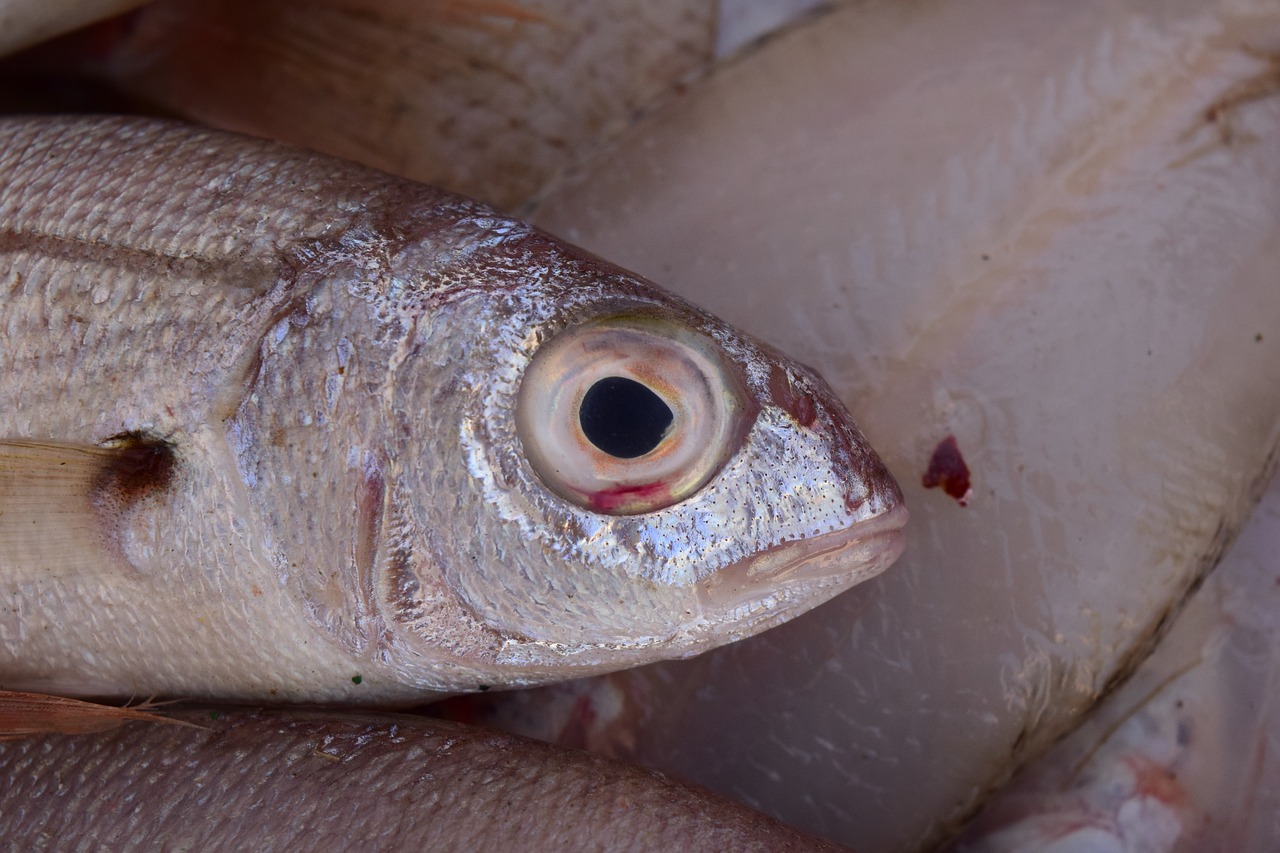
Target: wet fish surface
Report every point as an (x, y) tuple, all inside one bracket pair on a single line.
[(277, 426), (488, 99), (1048, 230), (283, 780)]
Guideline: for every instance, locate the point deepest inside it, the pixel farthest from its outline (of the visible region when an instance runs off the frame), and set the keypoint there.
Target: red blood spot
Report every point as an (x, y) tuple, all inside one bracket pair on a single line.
[(799, 405), (619, 497), (575, 729), (1157, 782), (948, 470)]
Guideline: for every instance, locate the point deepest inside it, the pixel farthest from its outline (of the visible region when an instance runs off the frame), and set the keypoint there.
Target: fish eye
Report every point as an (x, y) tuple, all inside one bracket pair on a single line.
[(625, 415)]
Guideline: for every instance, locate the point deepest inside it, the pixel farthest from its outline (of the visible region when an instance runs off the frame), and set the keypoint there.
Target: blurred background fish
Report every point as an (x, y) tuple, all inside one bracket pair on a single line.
[(235, 779), (1182, 757), (489, 99)]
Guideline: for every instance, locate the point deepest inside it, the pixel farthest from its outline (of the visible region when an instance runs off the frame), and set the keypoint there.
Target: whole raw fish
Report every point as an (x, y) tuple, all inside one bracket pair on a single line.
[(487, 98), (1181, 757), (1049, 230), (273, 425), (261, 780)]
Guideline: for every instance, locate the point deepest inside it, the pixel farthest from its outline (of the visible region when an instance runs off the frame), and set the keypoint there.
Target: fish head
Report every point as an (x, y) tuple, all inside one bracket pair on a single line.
[(601, 474)]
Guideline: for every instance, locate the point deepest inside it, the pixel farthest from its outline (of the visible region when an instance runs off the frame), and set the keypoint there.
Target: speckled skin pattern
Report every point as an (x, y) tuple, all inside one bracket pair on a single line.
[(334, 356), (260, 780)]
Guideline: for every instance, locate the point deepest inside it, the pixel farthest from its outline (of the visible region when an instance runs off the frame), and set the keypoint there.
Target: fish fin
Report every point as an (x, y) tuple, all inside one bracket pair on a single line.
[(61, 504), (30, 714)]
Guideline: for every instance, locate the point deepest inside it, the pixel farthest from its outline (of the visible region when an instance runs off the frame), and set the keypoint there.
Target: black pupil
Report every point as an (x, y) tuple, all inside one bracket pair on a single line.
[(623, 418)]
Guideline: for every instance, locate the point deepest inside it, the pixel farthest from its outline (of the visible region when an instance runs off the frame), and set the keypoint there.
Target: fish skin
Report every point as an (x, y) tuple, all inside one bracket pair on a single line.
[(436, 91), (277, 780), (1048, 229), (24, 23), (331, 355)]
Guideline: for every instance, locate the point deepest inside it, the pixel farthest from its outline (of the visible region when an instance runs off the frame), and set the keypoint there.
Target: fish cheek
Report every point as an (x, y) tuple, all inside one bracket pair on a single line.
[(566, 603), (550, 576), (526, 563)]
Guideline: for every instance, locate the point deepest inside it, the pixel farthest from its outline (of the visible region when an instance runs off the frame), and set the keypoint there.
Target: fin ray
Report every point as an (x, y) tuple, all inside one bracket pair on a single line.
[(30, 714), (58, 506)]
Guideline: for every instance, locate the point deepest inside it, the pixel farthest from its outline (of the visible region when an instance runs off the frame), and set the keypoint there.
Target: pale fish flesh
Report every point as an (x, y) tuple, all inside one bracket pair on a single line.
[(1182, 758), (1049, 230), (294, 780), (486, 98), (280, 426)]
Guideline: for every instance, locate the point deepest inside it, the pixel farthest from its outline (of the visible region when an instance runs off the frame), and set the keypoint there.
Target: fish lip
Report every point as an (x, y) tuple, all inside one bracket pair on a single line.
[(802, 574)]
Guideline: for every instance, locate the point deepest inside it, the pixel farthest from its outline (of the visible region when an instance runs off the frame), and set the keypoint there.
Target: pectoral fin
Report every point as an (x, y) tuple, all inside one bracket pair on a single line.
[(29, 714), (61, 505)]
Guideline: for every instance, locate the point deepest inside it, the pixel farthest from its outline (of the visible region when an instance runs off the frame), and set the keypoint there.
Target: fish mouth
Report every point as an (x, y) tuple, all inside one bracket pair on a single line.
[(793, 577)]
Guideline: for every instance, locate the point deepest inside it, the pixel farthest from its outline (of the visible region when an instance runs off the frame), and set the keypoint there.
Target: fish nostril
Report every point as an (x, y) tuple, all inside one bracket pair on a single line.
[(623, 418)]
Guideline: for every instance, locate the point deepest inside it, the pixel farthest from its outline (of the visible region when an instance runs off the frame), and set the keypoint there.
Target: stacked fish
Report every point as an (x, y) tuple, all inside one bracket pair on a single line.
[(401, 446)]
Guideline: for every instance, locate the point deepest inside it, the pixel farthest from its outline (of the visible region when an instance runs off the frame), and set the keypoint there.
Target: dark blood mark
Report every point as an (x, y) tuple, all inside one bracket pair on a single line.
[(948, 470), (799, 405), (139, 465), (611, 500)]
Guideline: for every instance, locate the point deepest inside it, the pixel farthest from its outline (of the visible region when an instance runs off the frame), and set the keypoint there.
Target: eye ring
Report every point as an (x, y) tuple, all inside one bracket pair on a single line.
[(629, 414)]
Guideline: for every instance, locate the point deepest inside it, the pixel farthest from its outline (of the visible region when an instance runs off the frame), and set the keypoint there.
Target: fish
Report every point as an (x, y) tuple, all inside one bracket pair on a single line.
[(1046, 230), (1116, 437), (235, 778), (276, 427), (24, 22), (1181, 756), (485, 98)]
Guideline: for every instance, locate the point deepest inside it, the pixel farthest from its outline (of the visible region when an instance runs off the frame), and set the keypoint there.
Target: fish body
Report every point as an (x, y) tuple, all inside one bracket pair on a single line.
[(23, 23), (233, 779), (276, 426), (438, 91), (1179, 757)]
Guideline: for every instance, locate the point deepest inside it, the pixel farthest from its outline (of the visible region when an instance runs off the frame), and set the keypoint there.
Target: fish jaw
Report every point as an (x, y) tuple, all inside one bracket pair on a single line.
[(782, 582)]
